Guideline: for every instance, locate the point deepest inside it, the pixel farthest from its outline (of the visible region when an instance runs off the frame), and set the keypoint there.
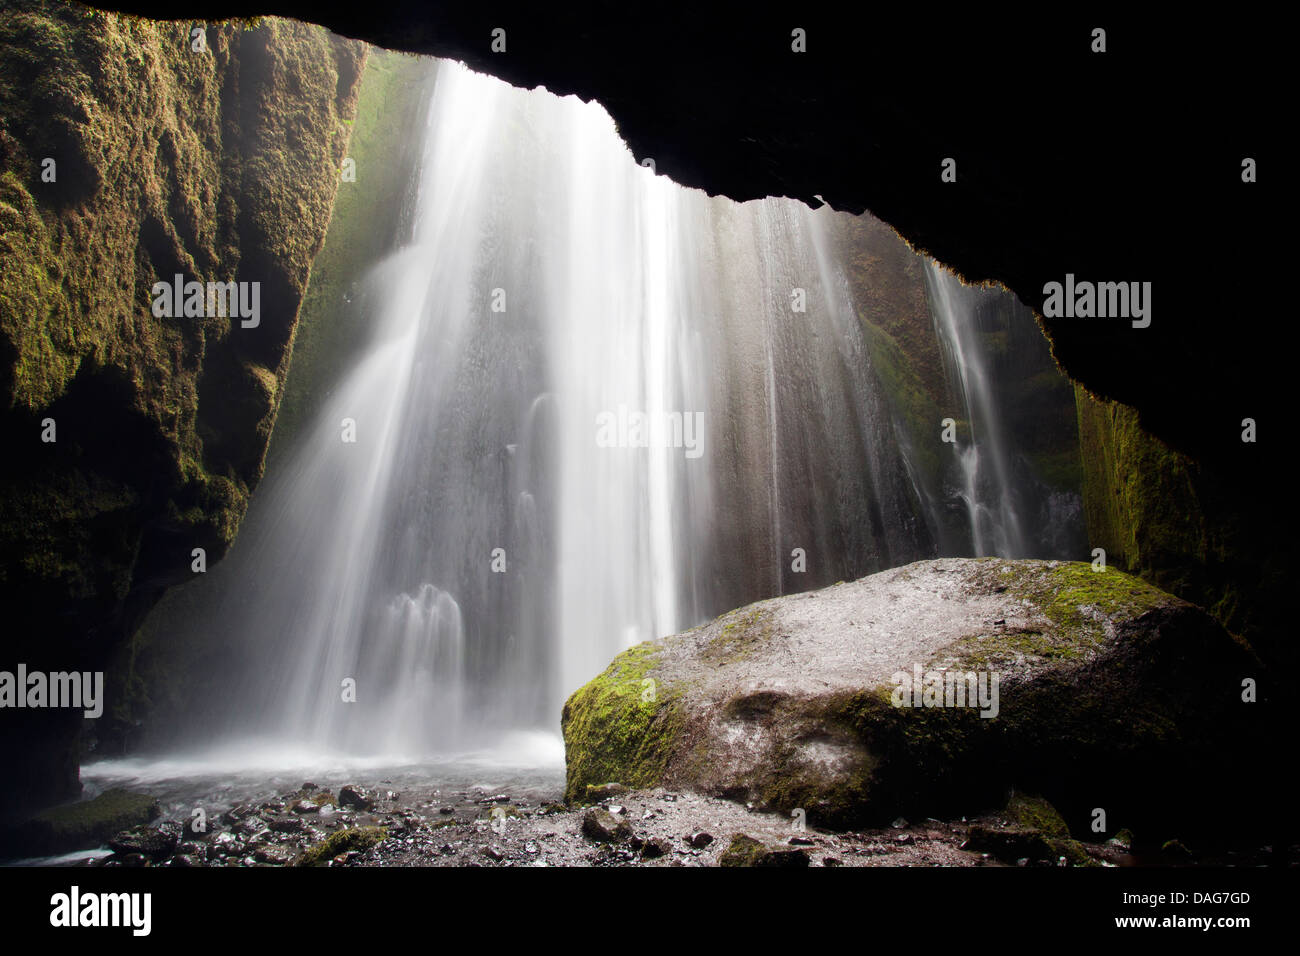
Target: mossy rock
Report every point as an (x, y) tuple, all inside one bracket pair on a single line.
[(1110, 692), (617, 727), (744, 850), (1037, 814), (606, 791), (81, 826), (1072, 852), (353, 838)]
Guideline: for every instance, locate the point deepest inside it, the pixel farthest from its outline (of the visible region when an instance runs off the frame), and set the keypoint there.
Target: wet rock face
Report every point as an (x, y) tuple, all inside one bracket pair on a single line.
[(218, 165), (1093, 686)]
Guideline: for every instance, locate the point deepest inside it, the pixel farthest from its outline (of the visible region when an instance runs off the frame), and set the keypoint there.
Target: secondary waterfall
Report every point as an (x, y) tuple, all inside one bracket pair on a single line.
[(596, 408), (988, 491)]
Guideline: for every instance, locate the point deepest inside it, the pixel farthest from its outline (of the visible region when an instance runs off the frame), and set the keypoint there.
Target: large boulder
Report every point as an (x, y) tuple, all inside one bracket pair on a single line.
[(84, 825), (1091, 687)]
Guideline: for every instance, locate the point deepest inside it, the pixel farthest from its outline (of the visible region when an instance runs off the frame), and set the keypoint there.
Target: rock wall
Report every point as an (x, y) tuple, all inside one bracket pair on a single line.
[(1033, 399), (219, 164), (1191, 529), (169, 666)]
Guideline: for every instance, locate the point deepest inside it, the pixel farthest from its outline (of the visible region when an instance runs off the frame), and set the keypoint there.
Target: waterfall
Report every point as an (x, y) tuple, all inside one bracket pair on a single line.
[(989, 490), (595, 408)]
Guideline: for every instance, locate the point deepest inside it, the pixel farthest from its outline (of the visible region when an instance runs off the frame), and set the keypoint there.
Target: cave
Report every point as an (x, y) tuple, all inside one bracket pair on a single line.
[(634, 395)]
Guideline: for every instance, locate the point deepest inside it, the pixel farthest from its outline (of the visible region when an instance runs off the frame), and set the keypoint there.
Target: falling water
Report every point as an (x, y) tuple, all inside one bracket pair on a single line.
[(456, 543), (989, 490)]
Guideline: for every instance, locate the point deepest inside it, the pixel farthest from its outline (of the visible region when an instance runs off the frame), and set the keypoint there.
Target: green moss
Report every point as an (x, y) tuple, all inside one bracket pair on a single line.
[(82, 825), (1158, 515), (1070, 595), (1010, 844), (156, 173), (1074, 852), (743, 632), (743, 850), (918, 408), (985, 651), (220, 166), (1068, 591), (352, 838), (615, 729), (1035, 813), (1139, 497), (331, 330)]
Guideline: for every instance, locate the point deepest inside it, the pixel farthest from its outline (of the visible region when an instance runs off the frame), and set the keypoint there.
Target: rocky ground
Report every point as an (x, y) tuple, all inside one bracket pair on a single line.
[(1113, 696), (373, 826)]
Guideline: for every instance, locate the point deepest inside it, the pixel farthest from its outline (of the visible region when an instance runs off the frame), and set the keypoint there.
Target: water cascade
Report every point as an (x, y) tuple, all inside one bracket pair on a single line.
[(988, 490), (596, 408)]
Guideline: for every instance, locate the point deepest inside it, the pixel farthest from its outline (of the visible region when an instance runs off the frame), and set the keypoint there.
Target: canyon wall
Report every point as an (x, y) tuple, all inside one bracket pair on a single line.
[(217, 160)]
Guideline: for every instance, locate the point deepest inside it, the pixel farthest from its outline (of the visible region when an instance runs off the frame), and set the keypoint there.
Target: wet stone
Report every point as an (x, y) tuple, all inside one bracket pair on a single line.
[(237, 813), (357, 798), (155, 842), (603, 827), (276, 855), (604, 791)]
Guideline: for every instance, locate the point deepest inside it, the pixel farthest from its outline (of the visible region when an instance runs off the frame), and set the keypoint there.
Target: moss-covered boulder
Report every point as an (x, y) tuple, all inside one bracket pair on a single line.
[(339, 842), (1035, 813), (80, 826), (744, 850), (1092, 688)]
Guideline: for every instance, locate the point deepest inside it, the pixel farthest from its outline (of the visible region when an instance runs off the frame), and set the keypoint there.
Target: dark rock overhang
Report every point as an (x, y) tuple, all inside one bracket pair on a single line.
[(1118, 166)]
